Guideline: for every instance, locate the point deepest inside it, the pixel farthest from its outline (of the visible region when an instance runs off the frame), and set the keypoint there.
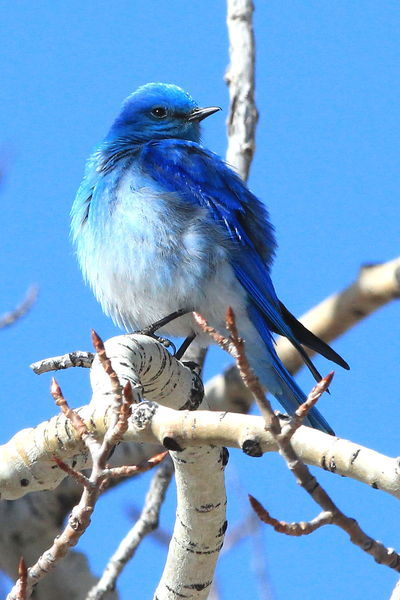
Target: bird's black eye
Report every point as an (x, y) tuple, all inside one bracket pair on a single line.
[(159, 112)]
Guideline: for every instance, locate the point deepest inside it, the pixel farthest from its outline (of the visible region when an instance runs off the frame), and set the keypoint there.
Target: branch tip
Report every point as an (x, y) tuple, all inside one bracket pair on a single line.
[(97, 342), (23, 579)]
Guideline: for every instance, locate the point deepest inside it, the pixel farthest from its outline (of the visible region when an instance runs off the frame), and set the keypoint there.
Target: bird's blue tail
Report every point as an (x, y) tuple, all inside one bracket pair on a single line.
[(275, 376)]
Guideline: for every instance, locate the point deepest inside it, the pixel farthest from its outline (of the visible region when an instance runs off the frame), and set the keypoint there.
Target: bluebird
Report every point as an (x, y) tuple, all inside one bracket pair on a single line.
[(161, 224)]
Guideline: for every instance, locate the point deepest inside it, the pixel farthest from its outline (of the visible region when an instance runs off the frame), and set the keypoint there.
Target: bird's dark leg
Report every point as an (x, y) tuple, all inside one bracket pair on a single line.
[(184, 346), (151, 329), (164, 321)]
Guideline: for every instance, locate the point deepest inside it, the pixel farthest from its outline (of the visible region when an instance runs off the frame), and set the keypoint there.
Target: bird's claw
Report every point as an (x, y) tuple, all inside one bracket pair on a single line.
[(149, 331)]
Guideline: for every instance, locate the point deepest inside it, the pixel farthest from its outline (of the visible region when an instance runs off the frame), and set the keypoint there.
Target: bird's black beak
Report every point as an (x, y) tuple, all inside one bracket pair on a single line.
[(201, 113)]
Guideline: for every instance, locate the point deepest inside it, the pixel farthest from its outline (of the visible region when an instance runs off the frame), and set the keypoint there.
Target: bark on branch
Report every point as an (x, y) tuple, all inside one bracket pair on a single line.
[(26, 461), (243, 115)]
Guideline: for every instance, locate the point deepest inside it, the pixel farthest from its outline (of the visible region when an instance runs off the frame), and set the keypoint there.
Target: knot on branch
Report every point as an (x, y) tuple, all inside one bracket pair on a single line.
[(143, 413)]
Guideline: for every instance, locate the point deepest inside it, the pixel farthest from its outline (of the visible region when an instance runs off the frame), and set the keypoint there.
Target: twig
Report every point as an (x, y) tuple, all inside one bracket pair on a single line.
[(304, 478), (129, 470), (304, 408), (76, 420), (108, 368), (65, 361), (146, 523), (22, 578), (294, 529), (77, 475), (14, 315)]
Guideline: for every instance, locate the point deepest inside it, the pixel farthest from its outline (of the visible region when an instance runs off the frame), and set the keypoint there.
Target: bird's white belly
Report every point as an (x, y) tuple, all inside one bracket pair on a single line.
[(150, 261), (145, 298)]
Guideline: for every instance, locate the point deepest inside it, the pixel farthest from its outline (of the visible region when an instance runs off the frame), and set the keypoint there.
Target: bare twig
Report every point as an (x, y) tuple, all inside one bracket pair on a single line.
[(294, 529), (304, 408), (147, 522), (108, 368), (17, 313), (304, 478), (77, 475), (22, 578), (129, 470), (73, 416), (65, 361)]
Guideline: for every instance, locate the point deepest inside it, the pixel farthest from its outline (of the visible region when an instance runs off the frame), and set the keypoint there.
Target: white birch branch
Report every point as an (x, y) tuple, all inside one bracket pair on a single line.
[(150, 369), (200, 524), (32, 450)]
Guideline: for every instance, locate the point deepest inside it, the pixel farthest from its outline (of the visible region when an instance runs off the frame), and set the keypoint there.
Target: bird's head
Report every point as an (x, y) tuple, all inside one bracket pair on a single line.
[(159, 110)]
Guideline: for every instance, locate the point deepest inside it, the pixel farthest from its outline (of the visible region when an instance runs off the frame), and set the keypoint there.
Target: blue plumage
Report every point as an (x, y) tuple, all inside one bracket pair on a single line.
[(160, 223)]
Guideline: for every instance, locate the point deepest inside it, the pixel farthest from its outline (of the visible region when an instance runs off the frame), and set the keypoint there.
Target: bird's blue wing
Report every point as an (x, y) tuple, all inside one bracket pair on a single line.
[(202, 177)]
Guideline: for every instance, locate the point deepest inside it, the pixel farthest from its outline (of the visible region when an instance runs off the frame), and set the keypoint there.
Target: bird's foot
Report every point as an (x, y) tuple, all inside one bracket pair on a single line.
[(162, 340)]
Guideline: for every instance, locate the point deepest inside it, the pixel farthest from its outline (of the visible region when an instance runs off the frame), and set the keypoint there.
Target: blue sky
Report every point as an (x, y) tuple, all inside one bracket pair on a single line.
[(327, 168)]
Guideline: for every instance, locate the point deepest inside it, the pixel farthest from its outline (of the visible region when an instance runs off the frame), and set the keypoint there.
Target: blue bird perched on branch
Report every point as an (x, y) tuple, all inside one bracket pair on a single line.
[(161, 224)]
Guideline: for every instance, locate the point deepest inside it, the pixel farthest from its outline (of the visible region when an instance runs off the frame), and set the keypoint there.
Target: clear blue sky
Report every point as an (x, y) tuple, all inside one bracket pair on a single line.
[(327, 167)]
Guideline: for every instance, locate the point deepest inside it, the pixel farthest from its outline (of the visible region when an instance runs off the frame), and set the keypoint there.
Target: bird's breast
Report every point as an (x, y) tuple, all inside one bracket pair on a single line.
[(147, 252)]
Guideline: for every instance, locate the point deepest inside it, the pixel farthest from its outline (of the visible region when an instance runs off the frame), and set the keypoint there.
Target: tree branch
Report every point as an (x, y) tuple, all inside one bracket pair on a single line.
[(200, 523), (65, 361), (20, 311), (26, 461), (243, 115)]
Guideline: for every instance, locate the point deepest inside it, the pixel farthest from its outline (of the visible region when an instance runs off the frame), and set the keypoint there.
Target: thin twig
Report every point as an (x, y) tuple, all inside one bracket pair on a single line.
[(294, 529), (22, 578), (78, 358), (106, 362), (129, 470), (20, 311), (301, 413), (79, 477)]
